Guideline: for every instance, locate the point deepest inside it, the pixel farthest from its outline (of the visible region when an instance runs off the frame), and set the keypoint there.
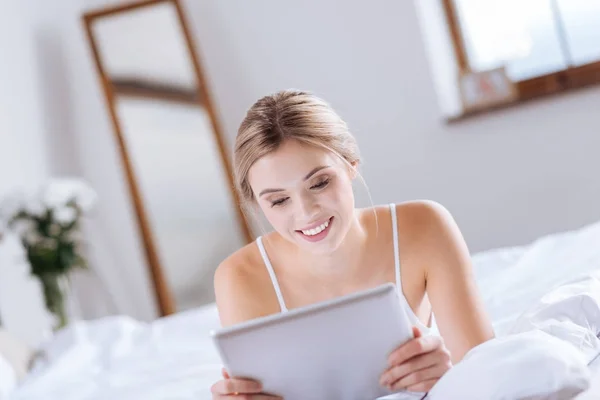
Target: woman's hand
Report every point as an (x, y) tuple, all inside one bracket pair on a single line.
[(417, 365), (232, 388)]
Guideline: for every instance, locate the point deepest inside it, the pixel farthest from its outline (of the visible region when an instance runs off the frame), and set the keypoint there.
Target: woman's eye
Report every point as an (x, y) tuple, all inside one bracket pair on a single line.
[(321, 184), (279, 202)]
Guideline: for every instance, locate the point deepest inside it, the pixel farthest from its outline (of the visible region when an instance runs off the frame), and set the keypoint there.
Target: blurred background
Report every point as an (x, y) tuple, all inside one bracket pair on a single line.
[(488, 107)]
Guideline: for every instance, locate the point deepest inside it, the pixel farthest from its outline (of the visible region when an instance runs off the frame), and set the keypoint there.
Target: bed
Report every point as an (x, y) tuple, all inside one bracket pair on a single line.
[(173, 357)]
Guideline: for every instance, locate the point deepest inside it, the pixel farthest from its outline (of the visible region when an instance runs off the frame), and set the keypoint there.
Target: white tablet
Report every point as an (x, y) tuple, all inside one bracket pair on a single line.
[(336, 349)]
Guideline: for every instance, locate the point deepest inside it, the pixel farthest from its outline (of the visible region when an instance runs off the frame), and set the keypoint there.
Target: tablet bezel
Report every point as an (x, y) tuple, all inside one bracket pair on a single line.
[(387, 290), (267, 320)]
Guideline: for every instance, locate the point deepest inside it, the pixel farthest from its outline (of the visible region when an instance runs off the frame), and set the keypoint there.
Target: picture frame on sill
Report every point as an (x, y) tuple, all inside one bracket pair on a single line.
[(480, 90)]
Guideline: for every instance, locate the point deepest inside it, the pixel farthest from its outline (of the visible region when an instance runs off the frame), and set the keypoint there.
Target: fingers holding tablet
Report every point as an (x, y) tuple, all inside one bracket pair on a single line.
[(418, 364), (232, 388)]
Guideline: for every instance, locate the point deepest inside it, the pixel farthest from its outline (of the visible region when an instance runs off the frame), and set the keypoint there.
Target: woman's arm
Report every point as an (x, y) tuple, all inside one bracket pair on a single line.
[(450, 284), (238, 292), (240, 297)]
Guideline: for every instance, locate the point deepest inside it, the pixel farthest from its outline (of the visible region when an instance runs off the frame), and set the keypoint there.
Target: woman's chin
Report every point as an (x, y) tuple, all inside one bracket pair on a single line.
[(324, 245)]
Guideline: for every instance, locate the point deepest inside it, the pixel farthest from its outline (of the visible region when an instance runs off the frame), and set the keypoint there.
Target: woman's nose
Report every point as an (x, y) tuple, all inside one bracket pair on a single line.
[(309, 208)]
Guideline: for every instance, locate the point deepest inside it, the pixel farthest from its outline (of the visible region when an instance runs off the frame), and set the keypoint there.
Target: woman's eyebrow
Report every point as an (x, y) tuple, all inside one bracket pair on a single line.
[(311, 173)]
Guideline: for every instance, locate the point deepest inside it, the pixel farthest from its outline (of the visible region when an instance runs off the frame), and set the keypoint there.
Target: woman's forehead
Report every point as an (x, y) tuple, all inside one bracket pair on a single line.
[(289, 164)]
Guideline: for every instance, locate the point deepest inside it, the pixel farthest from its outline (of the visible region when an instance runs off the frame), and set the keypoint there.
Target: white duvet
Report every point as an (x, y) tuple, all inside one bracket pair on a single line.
[(549, 353), (546, 346), (119, 358)]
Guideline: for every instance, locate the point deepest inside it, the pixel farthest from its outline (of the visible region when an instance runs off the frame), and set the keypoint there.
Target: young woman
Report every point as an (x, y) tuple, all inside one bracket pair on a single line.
[(296, 160)]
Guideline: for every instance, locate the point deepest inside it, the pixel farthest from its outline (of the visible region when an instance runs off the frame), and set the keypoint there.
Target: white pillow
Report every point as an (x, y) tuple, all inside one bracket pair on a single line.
[(531, 365), (16, 353), (570, 312), (8, 378)]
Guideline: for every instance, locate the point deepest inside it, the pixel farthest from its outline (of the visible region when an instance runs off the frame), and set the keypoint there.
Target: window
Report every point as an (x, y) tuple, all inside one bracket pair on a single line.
[(546, 46)]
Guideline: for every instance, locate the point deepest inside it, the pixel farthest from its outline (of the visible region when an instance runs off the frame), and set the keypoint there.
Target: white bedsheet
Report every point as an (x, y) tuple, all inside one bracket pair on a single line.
[(173, 358), (119, 358), (511, 280), (546, 354)]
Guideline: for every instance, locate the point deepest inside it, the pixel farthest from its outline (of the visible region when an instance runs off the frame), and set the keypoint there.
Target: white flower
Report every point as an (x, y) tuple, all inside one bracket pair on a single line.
[(35, 207), (11, 205), (54, 229), (24, 227), (32, 237), (60, 191), (74, 236), (57, 193), (86, 200), (65, 215)]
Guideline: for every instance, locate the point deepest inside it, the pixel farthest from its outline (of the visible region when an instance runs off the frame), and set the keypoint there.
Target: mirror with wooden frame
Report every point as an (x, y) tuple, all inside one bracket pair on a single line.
[(173, 153)]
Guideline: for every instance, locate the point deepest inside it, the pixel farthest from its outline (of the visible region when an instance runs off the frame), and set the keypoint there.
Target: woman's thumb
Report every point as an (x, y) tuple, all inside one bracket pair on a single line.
[(416, 332), (225, 374)]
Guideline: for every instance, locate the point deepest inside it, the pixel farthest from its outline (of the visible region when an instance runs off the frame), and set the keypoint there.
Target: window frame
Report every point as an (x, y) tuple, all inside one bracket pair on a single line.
[(566, 80)]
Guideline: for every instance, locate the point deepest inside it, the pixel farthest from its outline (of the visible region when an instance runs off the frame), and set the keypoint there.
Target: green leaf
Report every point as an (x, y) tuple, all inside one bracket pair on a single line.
[(81, 262), (42, 258), (66, 257)]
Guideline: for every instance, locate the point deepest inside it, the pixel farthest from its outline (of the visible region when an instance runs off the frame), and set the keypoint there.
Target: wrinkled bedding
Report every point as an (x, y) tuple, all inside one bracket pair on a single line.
[(120, 358), (544, 300), (547, 354)]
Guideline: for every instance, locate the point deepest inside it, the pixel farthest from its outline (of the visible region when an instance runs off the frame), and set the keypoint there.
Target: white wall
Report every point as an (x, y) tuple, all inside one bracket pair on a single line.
[(23, 162), (508, 177), (21, 140), (53, 122)]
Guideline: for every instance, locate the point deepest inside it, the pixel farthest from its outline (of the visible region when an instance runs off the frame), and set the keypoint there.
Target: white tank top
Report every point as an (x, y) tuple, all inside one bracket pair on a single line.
[(409, 311)]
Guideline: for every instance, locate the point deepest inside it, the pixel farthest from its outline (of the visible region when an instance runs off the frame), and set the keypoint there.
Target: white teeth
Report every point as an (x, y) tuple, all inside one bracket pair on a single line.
[(318, 229)]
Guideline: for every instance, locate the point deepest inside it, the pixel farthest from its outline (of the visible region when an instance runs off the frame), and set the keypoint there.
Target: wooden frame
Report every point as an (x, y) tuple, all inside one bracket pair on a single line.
[(139, 88), (163, 295), (571, 78)]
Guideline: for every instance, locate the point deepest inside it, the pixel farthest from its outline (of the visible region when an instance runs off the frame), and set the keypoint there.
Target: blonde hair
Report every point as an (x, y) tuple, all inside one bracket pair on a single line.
[(288, 115)]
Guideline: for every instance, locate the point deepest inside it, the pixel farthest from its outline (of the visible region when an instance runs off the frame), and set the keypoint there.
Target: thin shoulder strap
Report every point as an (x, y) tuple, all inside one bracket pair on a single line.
[(396, 248), (267, 262)]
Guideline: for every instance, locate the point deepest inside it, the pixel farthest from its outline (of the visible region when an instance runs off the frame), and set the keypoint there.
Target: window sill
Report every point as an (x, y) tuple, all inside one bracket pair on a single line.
[(545, 86)]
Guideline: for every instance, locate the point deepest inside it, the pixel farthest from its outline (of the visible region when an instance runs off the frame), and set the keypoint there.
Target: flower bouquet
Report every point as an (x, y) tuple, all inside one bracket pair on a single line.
[(48, 225)]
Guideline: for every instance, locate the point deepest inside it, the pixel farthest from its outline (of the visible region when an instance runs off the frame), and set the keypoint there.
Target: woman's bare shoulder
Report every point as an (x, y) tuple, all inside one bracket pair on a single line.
[(422, 215), (411, 215), (421, 208), (241, 284)]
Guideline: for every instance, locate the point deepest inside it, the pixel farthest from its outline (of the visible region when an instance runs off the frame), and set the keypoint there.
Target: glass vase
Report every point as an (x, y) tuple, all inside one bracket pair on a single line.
[(56, 292)]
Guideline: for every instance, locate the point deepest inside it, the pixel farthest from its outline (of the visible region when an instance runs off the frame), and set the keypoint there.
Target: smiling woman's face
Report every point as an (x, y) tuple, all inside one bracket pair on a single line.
[(306, 194)]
